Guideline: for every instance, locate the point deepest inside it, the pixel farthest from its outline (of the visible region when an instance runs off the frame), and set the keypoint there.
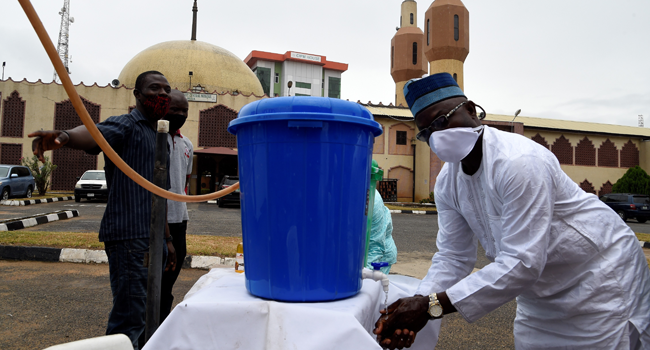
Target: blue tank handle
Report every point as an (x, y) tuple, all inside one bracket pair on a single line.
[(378, 265)]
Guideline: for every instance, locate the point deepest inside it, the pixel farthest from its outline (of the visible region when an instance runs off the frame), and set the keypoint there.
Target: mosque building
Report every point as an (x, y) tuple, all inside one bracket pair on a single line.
[(218, 84)]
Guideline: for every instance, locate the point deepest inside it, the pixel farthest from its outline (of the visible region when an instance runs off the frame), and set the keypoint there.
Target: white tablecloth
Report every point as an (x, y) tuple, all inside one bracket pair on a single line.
[(218, 313)]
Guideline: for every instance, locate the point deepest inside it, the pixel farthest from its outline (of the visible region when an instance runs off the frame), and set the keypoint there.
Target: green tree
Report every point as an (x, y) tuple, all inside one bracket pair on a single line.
[(635, 180), (41, 173)]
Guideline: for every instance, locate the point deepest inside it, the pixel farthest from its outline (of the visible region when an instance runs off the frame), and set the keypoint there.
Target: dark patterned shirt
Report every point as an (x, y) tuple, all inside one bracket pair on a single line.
[(128, 212)]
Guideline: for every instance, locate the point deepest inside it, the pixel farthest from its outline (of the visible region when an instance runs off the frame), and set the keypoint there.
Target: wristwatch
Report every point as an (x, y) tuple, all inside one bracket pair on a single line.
[(169, 239), (435, 309)]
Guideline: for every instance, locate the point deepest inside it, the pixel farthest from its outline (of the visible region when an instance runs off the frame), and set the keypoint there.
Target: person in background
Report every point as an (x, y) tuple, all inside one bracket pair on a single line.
[(382, 247), (577, 271), (181, 151), (125, 226)]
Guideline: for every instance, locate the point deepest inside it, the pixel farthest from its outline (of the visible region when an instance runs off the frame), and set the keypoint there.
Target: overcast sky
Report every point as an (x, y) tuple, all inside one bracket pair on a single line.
[(584, 60)]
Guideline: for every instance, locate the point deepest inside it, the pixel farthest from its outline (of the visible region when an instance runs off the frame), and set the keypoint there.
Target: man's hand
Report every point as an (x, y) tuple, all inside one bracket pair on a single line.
[(397, 327), (171, 257), (47, 141)]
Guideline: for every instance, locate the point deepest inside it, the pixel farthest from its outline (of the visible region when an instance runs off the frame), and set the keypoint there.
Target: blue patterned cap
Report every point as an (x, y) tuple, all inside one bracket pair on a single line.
[(422, 93)]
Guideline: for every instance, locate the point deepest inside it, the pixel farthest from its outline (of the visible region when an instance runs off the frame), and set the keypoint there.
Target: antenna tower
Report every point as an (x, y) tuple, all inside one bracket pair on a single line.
[(64, 34)]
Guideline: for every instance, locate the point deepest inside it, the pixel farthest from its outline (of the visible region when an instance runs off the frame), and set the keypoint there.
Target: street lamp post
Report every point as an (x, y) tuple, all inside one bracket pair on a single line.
[(289, 85), (3, 70), (512, 125)]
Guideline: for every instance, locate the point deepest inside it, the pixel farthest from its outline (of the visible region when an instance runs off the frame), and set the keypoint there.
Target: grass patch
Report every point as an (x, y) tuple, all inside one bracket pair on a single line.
[(399, 207), (643, 237), (212, 245), (196, 245), (80, 240)]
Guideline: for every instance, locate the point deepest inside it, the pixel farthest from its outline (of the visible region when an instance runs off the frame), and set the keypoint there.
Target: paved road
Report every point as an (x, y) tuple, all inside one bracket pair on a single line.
[(44, 304), (412, 232)]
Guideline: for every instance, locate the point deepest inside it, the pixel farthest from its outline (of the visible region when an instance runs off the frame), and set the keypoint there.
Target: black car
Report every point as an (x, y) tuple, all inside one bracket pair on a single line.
[(230, 198), (629, 206)]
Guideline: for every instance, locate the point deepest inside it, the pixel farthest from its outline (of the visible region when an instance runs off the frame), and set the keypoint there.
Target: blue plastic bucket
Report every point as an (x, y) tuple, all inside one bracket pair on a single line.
[(304, 172)]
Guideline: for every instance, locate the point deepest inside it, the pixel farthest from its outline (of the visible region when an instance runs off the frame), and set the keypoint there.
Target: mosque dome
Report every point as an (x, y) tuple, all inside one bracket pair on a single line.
[(214, 68)]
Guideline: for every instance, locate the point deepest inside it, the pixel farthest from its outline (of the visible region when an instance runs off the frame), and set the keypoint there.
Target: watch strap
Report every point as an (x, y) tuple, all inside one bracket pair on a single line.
[(433, 303)]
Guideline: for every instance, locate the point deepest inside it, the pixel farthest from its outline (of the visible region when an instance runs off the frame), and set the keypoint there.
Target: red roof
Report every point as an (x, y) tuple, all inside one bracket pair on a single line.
[(252, 58)]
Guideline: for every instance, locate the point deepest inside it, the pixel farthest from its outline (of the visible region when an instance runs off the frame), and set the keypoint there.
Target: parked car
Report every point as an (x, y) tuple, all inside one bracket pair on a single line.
[(230, 198), (92, 184), (629, 206), (16, 181)]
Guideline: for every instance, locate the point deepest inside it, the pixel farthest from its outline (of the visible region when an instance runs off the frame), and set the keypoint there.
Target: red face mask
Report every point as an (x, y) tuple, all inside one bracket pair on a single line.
[(157, 107)]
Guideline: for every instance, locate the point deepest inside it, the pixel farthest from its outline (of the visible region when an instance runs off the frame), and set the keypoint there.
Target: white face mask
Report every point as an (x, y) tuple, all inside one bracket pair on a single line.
[(454, 144)]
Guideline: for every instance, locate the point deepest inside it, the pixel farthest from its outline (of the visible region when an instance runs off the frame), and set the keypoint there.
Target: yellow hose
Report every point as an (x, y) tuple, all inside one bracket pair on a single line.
[(94, 132)]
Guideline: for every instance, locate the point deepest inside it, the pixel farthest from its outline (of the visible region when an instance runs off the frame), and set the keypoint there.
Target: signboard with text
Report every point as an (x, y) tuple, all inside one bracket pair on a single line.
[(194, 97), (303, 56)]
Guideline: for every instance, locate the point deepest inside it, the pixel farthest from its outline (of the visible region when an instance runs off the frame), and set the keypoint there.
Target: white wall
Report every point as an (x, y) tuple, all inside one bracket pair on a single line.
[(302, 72)]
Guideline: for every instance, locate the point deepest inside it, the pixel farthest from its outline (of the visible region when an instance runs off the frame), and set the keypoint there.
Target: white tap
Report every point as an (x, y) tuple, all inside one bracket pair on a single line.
[(376, 275)]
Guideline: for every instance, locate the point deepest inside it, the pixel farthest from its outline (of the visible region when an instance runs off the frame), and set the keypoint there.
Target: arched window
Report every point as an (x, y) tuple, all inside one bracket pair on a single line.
[(415, 52), (71, 162), (213, 124), (428, 32), (411, 18), (13, 116), (456, 27), (456, 77)]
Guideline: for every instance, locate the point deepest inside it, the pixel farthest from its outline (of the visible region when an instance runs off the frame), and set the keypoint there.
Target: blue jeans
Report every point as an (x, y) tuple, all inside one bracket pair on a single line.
[(128, 276)]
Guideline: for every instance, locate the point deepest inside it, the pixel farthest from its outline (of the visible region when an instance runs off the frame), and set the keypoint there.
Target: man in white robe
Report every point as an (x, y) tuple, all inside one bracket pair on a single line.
[(576, 269)]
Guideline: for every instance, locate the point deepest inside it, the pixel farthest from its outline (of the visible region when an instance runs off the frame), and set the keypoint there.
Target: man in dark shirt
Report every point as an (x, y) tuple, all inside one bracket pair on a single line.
[(125, 226)]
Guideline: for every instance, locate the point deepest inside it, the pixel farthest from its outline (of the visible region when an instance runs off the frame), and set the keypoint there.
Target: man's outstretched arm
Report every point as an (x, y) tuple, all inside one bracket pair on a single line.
[(77, 138)]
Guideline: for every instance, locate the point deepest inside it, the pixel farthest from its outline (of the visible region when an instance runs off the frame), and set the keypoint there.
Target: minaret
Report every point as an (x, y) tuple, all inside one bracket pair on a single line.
[(446, 37), (195, 9), (406, 51)]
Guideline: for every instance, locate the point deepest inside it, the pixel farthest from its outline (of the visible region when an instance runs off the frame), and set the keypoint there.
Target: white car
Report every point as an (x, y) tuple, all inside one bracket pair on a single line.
[(92, 184)]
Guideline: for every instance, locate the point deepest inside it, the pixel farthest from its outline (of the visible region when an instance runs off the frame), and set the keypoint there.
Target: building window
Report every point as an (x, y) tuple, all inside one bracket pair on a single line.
[(213, 125), (456, 77), (456, 27), (401, 137), (301, 95), (411, 18), (10, 153), (71, 163), (392, 56), (277, 78), (415, 53), (13, 116), (334, 87), (428, 32), (264, 76), (302, 85)]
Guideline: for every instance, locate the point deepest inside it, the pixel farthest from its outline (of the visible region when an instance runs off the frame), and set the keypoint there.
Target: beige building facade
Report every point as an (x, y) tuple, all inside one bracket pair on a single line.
[(594, 155), (29, 106)]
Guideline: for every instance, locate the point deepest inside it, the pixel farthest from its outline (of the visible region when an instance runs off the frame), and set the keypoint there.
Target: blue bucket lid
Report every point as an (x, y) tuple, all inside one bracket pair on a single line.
[(305, 108)]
